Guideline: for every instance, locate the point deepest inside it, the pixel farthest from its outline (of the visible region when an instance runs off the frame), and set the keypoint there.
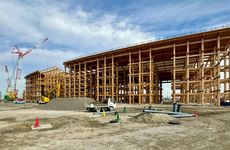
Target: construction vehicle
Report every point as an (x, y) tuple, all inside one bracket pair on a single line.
[(51, 94), (107, 105), (11, 95)]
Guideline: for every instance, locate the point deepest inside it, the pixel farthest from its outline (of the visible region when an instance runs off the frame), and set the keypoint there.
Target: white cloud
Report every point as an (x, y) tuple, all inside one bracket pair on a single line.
[(74, 29)]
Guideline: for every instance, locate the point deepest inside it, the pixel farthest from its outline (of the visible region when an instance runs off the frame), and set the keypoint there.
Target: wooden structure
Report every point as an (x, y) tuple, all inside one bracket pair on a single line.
[(39, 83), (196, 65)]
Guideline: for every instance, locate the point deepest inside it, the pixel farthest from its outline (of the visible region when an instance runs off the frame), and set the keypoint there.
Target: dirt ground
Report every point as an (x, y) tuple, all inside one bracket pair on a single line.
[(84, 130)]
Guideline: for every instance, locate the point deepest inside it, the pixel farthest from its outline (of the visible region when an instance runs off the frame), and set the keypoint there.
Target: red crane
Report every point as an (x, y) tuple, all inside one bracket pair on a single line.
[(17, 69)]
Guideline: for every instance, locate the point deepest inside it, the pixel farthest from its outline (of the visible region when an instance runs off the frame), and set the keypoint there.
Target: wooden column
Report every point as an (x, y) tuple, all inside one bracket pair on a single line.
[(225, 77), (112, 76), (104, 78), (218, 71), (40, 86), (117, 83), (214, 75), (79, 81), (70, 75), (150, 77), (187, 74), (91, 86), (140, 82), (202, 71), (130, 78), (228, 76), (174, 73), (74, 80), (65, 83), (97, 80), (85, 79)]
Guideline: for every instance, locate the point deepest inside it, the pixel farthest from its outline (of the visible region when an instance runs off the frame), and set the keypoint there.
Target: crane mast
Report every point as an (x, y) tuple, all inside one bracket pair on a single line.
[(17, 69)]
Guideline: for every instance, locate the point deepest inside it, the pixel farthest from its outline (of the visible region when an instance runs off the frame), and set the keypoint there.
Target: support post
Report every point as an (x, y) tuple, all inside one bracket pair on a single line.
[(202, 71), (112, 76), (85, 79), (139, 84), (91, 85), (74, 80), (174, 73), (218, 71), (187, 74), (70, 75), (79, 81), (150, 77), (104, 78), (130, 79), (97, 80), (65, 83)]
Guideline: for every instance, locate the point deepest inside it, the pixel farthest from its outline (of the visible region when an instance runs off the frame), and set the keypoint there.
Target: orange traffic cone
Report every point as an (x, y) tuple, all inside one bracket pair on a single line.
[(36, 124)]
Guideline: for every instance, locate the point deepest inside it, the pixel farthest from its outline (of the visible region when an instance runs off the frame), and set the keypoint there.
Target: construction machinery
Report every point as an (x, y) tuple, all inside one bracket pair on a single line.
[(16, 74), (107, 105), (51, 94), (10, 95)]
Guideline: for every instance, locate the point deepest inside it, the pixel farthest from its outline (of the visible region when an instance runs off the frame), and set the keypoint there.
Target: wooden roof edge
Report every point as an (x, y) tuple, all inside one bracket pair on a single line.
[(51, 69), (185, 36), (32, 74), (43, 71)]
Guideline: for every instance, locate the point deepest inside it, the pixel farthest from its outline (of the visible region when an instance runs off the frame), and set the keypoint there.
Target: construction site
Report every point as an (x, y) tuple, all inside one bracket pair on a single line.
[(114, 99)]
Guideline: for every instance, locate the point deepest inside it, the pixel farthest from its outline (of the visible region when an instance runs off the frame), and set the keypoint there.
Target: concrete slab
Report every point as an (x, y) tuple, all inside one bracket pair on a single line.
[(44, 126)]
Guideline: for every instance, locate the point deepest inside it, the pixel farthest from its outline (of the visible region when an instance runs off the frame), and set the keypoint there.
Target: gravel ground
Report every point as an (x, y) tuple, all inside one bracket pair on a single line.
[(152, 118), (83, 130), (66, 104)]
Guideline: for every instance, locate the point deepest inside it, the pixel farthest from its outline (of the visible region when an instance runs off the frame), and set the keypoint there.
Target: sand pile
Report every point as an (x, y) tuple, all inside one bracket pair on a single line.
[(66, 104), (152, 118)]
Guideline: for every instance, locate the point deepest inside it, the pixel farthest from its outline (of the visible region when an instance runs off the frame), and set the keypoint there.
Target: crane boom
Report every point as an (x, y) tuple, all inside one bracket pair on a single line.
[(7, 78), (21, 54)]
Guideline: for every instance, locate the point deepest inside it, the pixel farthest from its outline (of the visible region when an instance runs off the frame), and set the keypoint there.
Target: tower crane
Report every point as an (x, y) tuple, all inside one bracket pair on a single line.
[(17, 69)]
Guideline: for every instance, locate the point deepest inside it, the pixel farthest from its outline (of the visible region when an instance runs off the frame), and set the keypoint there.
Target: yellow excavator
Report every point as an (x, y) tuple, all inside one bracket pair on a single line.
[(51, 94)]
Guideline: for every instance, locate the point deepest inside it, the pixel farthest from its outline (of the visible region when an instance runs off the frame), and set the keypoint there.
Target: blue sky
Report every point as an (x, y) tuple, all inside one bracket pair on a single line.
[(78, 27)]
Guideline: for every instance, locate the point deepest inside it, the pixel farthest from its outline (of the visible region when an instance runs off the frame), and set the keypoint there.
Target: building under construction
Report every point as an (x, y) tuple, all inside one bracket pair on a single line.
[(196, 65), (41, 83)]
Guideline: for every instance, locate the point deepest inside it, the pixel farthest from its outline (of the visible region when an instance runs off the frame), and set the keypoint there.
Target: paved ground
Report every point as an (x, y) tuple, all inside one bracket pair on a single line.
[(83, 130)]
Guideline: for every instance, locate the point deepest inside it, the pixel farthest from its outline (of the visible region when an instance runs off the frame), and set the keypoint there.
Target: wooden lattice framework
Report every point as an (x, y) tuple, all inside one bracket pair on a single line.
[(39, 83), (196, 65)]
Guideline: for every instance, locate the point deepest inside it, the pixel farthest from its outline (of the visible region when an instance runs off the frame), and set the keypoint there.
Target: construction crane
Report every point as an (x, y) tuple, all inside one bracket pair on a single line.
[(9, 94), (7, 79), (12, 95)]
